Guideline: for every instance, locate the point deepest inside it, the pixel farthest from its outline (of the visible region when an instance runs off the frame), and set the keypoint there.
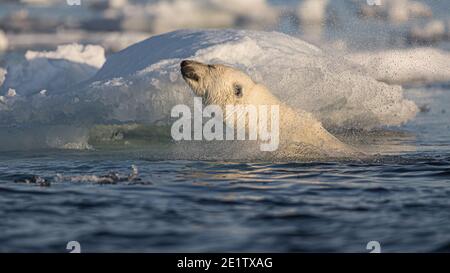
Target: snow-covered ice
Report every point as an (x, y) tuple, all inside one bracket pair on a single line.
[(54, 71), (90, 54), (110, 41), (142, 82), (403, 66)]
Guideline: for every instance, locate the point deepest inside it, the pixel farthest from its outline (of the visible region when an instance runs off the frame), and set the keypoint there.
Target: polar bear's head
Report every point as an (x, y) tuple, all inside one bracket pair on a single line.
[(220, 84)]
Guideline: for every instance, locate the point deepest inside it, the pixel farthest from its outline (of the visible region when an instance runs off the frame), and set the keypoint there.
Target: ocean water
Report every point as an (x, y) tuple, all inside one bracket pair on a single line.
[(400, 198)]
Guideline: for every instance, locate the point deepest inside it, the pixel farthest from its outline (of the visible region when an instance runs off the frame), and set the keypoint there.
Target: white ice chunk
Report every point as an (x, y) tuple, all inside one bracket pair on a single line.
[(3, 41), (423, 65), (54, 70), (92, 55), (11, 93)]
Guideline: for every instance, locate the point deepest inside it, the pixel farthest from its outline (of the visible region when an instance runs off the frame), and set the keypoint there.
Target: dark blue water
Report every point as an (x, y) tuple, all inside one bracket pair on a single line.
[(400, 199)]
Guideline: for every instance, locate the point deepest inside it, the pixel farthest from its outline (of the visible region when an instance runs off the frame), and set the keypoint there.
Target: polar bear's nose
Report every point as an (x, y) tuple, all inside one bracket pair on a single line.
[(185, 63), (188, 71)]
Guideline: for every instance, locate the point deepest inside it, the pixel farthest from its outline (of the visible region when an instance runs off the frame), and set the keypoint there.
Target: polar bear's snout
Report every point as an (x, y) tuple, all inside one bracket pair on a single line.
[(187, 62), (189, 71)]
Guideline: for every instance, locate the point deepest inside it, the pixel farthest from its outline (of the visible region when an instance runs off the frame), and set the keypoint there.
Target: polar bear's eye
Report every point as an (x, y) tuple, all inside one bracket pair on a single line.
[(238, 90)]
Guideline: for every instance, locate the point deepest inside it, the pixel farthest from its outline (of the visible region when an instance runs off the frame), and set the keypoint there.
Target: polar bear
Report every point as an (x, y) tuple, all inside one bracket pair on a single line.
[(299, 131)]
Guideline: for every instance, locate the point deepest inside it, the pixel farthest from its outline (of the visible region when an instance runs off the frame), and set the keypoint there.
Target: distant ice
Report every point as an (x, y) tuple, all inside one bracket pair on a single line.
[(41, 2), (110, 41), (162, 16), (417, 9), (11, 93), (419, 65), (2, 75), (107, 4), (312, 11), (54, 71), (312, 15), (3, 41), (90, 54), (396, 11), (430, 32)]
